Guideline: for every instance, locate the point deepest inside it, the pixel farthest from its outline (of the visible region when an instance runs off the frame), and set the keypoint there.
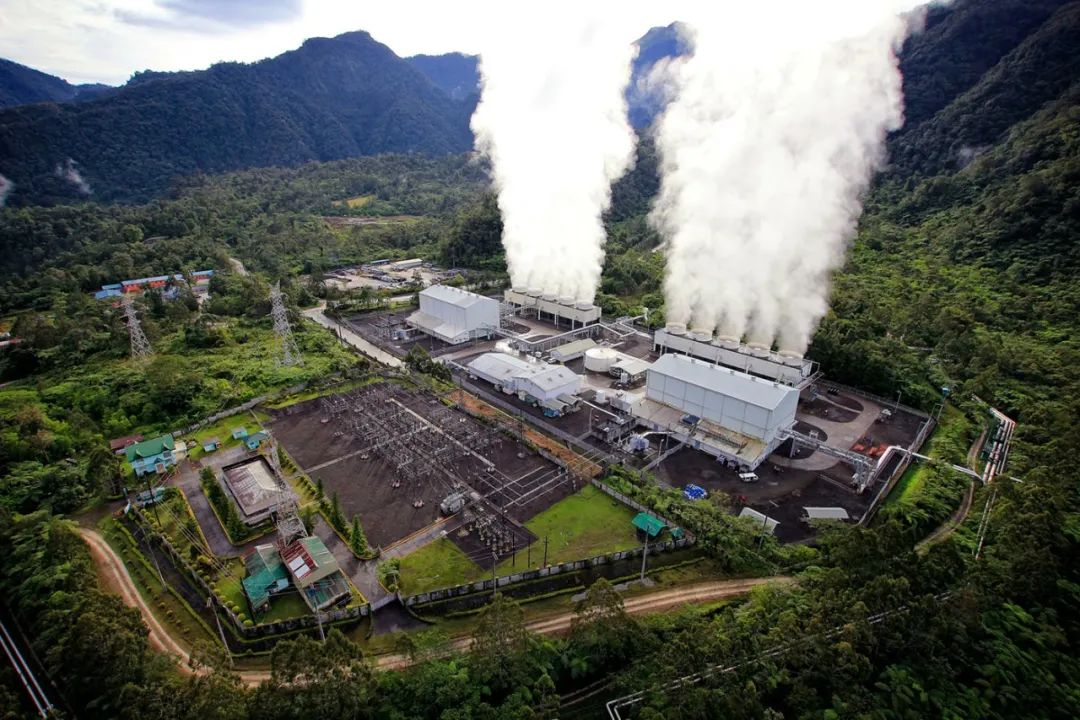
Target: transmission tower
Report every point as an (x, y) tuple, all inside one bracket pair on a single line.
[(286, 513), (290, 353), (140, 346)]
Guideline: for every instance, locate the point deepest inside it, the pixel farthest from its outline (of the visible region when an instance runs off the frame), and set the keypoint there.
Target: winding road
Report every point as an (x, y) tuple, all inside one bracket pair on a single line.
[(118, 580)]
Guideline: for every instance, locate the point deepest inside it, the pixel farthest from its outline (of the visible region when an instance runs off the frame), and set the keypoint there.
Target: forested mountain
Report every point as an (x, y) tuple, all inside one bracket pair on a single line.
[(329, 99), (456, 74), (20, 85)]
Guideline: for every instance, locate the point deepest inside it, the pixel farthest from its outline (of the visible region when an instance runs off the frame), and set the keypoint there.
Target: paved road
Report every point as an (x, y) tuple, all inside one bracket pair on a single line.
[(187, 480), (317, 315)]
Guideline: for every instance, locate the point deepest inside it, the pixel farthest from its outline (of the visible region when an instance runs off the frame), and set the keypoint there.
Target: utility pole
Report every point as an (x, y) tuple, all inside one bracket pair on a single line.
[(644, 555), (528, 553), (545, 550), (318, 617), (221, 632), (494, 562)]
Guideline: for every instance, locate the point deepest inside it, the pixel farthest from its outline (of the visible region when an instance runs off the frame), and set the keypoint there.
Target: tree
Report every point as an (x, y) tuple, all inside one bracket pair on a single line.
[(497, 654), (601, 633), (357, 540)]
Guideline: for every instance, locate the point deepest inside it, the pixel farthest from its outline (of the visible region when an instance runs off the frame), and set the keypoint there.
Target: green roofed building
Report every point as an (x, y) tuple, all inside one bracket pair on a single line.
[(153, 455), (266, 575), (646, 523), (316, 573)]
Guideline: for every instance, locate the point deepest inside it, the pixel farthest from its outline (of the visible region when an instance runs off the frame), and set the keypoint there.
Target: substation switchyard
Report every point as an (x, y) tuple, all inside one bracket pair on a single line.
[(763, 426)]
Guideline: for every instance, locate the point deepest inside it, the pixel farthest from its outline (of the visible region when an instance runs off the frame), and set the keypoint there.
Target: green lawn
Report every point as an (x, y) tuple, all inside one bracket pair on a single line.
[(910, 485), (583, 525), (222, 430)]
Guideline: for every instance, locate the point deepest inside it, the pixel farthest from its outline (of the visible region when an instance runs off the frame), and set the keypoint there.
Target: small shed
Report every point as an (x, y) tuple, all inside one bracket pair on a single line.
[(825, 513), (239, 433), (211, 445), (762, 520), (572, 350), (648, 524), (254, 440)]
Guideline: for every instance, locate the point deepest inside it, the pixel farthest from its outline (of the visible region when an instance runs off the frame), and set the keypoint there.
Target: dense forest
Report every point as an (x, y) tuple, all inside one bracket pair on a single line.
[(962, 276), (329, 99)]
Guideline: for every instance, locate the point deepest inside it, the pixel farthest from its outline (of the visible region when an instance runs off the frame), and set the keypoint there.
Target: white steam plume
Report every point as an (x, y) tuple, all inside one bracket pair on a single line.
[(552, 119), (777, 125), (6, 187), (69, 170)]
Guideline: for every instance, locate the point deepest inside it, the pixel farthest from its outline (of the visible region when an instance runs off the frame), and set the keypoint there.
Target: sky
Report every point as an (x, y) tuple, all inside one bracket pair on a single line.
[(108, 40)]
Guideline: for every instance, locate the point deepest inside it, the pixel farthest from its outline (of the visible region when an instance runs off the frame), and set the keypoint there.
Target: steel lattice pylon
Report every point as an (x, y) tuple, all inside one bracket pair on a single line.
[(290, 353), (140, 346)]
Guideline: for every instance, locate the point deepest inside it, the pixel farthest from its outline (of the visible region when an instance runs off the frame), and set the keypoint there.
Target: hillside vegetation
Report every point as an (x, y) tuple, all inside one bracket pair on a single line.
[(329, 99)]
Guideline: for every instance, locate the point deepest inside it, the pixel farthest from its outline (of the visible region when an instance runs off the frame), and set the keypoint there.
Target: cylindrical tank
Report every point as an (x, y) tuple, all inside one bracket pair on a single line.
[(601, 398), (674, 328), (533, 292), (520, 289), (567, 300), (793, 358), (549, 297), (583, 305), (728, 342), (760, 350), (600, 359)]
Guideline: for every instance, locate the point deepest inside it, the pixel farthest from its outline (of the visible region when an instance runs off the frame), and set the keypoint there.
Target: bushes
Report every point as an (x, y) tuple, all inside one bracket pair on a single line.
[(389, 573)]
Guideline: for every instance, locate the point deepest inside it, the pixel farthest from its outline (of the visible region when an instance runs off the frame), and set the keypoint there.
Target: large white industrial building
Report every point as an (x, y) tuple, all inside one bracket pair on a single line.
[(553, 387), (726, 413), (455, 316), (788, 367), (553, 307)]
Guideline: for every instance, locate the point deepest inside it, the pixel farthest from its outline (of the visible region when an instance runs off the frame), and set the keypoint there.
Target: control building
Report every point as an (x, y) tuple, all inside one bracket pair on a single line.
[(455, 316)]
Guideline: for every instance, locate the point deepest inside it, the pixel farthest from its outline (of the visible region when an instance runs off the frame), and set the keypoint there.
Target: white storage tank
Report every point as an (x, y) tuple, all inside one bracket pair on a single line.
[(600, 398), (600, 359)]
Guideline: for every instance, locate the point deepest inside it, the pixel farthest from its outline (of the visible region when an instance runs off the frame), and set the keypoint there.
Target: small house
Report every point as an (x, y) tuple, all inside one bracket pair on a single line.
[(254, 440), (239, 433), (118, 445), (650, 525), (154, 455), (316, 573), (266, 576), (211, 445)]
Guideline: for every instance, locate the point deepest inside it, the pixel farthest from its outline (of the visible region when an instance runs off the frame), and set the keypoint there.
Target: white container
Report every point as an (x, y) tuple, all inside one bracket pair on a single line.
[(600, 359)]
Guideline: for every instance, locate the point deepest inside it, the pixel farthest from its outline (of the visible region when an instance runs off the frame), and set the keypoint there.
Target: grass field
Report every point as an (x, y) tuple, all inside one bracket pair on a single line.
[(354, 202), (583, 525), (222, 430), (953, 422)]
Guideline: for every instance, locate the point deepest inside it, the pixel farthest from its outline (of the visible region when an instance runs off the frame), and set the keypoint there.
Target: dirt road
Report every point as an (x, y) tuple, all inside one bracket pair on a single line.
[(117, 579)]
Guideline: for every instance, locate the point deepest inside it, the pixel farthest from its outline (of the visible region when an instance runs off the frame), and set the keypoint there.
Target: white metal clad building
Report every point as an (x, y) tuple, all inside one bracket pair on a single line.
[(734, 400), (453, 315), (550, 383), (572, 350), (502, 370)]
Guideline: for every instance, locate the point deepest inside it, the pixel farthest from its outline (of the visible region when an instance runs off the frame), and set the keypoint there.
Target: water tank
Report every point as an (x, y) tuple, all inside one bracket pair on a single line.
[(760, 350), (601, 398), (791, 357), (728, 342), (674, 328), (600, 359)]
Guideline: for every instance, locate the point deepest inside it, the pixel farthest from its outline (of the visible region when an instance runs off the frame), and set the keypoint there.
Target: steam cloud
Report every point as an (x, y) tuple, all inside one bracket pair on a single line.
[(69, 170), (6, 187), (552, 120), (776, 126)]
